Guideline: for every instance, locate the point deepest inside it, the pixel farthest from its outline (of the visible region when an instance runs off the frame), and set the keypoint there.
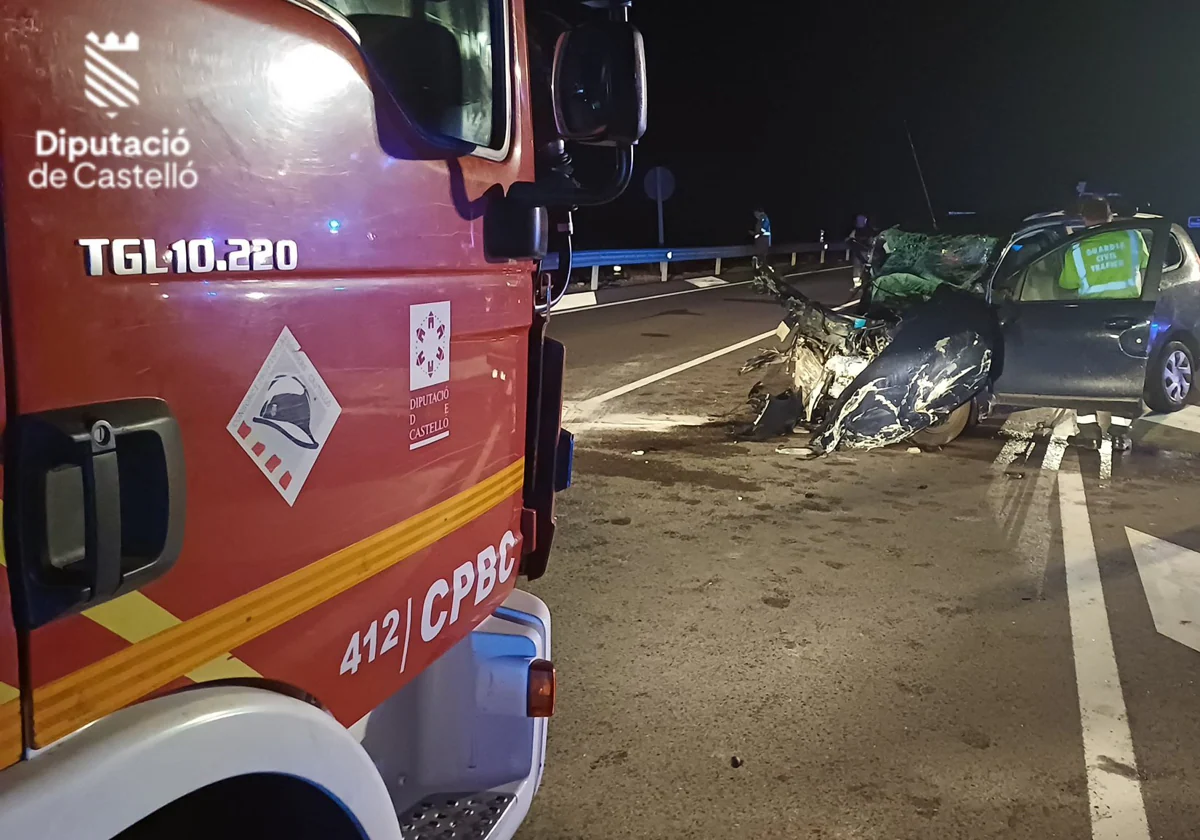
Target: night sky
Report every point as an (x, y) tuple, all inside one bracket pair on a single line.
[(800, 107)]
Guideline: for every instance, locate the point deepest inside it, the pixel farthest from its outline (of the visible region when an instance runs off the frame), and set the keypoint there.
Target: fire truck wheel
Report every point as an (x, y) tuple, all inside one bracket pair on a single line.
[(249, 808)]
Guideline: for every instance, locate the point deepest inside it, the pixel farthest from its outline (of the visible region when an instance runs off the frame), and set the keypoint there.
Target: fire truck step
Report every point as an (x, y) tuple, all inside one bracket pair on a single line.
[(455, 816)]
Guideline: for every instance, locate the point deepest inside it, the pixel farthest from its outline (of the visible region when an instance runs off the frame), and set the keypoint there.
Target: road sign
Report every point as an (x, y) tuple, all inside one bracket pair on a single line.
[(660, 185), (1194, 221)]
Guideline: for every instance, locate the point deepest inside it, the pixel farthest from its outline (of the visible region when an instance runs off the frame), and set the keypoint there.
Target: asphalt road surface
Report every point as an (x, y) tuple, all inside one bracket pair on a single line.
[(998, 639)]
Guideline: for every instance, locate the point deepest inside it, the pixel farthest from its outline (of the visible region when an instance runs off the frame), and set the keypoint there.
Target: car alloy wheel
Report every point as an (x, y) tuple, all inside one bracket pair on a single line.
[(1177, 376)]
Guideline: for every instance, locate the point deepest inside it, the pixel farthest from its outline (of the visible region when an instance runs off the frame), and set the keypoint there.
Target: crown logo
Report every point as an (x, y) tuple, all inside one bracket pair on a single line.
[(112, 43)]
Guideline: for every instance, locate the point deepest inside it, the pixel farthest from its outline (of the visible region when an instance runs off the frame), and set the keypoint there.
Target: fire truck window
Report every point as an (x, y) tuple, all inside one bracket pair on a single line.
[(441, 60)]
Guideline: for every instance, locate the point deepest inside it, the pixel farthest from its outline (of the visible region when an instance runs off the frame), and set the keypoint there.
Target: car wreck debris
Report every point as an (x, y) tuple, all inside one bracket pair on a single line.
[(925, 350)]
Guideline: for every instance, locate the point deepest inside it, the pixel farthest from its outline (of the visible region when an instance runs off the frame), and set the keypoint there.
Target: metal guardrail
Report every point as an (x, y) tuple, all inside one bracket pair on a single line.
[(595, 260)]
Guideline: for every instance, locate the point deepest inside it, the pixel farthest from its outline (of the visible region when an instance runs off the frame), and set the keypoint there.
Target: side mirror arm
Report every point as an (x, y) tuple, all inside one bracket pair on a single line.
[(541, 193)]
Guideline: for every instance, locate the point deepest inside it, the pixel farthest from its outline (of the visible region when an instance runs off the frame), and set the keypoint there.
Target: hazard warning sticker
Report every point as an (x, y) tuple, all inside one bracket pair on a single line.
[(286, 417)]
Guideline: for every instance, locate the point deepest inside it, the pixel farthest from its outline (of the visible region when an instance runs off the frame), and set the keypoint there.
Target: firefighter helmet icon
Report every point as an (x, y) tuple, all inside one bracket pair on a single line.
[(288, 410)]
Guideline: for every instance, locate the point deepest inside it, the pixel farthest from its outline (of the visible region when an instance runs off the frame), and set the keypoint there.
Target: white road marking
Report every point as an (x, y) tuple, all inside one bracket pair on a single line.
[(817, 271), (706, 282), (582, 305), (1118, 811), (628, 422), (1170, 577), (586, 409), (1187, 419), (575, 300), (1023, 428), (1064, 427), (1106, 457)]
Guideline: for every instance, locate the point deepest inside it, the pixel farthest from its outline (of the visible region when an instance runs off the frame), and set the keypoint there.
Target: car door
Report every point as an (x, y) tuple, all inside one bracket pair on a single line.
[(1066, 350)]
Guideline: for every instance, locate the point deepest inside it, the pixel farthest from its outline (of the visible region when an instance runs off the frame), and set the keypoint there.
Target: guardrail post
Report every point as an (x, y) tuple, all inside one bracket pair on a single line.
[(595, 277), (717, 270), (793, 259), (662, 267), (824, 246)]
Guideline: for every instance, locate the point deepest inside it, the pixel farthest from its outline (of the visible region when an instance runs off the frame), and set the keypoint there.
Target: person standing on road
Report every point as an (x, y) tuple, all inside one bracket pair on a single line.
[(762, 237), (860, 239), (1110, 266)]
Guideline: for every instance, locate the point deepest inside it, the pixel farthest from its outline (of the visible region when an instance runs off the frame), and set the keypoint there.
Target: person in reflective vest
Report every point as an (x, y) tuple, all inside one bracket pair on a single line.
[(1107, 265)]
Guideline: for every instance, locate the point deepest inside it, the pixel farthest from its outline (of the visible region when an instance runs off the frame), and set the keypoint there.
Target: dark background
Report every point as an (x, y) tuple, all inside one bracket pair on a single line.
[(800, 107)]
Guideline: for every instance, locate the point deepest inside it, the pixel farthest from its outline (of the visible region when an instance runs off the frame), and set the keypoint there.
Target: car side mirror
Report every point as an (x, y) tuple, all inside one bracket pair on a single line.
[(599, 84)]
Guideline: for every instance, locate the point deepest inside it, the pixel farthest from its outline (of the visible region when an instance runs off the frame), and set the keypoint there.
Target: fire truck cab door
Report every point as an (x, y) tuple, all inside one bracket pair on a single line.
[(10, 681), (228, 248)]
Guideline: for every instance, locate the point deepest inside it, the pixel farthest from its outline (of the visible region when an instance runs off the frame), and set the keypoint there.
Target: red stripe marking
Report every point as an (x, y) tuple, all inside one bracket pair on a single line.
[(243, 431), (285, 480), (258, 449), (273, 462)]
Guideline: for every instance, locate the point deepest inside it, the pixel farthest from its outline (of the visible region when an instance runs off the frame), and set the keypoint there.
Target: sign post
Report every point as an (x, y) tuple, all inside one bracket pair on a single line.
[(660, 185)]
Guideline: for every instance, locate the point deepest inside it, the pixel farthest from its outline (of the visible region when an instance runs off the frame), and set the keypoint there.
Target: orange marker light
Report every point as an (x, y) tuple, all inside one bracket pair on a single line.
[(542, 685)]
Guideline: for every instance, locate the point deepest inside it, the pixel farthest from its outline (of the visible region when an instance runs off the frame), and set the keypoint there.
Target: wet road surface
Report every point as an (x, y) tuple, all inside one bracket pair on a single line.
[(870, 645)]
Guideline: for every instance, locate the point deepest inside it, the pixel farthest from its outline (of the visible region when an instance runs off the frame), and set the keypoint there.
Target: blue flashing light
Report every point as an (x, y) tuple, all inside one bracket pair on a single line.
[(334, 225), (1156, 329), (1017, 247)]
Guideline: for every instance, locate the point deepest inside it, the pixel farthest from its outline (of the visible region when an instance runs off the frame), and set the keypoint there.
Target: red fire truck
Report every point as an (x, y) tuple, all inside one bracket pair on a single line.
[(281, 422)]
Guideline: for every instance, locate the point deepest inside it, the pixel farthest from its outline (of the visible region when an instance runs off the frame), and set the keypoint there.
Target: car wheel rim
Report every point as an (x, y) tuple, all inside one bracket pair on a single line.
[(1177, 377)]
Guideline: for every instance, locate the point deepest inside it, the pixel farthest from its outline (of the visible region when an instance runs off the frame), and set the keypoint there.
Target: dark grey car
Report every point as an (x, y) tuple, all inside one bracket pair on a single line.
[(1059, 349)]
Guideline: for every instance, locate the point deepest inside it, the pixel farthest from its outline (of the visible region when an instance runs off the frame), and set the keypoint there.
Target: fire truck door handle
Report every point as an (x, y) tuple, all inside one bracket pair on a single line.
[(102, 512), (97, 506)]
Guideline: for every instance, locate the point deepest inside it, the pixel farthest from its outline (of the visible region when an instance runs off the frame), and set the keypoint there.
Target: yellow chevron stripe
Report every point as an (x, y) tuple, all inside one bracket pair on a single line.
[(111, 683), (11, 747), (134, 617)]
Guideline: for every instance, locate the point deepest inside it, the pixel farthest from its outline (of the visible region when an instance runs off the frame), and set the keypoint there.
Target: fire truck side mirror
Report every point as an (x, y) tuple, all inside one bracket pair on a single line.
[(598, 85)]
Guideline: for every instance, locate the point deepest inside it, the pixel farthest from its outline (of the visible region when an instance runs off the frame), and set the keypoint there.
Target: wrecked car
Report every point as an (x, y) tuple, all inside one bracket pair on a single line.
[(953, 324)]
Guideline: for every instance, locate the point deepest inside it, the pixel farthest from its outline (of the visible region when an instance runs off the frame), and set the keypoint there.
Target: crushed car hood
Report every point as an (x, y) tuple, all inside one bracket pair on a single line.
[(939, 358)]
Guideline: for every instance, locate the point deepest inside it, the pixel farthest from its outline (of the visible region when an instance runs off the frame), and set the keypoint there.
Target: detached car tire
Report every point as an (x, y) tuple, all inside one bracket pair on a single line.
[(948, 430), (1170, 377)]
